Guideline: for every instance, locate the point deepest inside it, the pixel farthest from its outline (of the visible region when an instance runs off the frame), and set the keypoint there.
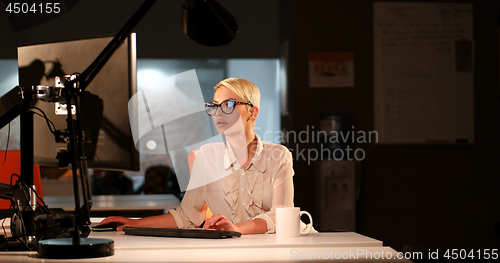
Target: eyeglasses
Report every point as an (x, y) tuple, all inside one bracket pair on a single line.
[(226, 106)]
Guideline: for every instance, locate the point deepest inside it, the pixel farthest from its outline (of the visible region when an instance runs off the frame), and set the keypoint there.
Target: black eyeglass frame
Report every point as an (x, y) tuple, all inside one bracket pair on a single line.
[(214, 105)]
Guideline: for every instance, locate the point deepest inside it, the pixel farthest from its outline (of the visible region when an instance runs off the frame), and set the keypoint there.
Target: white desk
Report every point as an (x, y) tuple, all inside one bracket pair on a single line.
[(253, 255), (248, 248), (347, 239), (117, 202)]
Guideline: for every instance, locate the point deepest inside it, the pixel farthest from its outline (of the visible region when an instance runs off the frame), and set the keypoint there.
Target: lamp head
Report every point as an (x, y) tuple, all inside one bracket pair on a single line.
[(208, 23)]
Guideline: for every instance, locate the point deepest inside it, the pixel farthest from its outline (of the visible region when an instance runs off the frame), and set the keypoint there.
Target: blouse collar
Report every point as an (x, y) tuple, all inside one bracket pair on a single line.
[(257, 160)]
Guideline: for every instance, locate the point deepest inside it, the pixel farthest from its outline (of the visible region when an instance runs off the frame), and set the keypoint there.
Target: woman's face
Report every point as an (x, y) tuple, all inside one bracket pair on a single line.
[(234, 123)]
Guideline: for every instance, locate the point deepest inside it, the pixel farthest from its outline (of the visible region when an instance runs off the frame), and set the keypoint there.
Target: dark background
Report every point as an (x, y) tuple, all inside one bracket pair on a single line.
[(433, 196)]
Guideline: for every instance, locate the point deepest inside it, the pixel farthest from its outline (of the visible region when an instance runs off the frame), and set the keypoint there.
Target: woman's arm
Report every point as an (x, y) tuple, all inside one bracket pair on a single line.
[(256, 226), (220, 222), (159, 221)]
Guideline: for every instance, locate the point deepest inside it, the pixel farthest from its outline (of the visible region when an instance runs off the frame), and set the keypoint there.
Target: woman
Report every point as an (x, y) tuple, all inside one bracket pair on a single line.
[(242, 180)]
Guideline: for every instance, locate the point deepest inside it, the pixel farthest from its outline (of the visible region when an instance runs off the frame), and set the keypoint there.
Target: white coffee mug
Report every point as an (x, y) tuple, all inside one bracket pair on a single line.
[(288, 222)]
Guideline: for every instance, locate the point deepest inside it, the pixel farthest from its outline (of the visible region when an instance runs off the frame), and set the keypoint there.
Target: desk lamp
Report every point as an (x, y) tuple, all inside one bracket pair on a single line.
[(204, 21)]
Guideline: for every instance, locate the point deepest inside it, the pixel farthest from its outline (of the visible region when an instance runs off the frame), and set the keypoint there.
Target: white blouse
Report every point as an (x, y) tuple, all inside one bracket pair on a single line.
[(238, 194)]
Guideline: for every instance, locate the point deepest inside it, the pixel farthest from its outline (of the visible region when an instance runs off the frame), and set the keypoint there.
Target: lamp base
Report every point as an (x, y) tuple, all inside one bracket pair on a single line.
[(65, 248)]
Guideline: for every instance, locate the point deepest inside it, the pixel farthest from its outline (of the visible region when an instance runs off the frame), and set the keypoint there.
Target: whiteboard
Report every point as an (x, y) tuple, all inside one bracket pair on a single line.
[(423, 72)]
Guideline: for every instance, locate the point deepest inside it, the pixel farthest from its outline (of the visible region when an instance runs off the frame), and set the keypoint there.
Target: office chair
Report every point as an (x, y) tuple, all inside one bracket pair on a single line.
[(160, 179)]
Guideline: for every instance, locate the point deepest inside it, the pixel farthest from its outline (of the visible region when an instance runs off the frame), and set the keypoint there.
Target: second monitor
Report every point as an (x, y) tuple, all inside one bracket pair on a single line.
[(104, 104)]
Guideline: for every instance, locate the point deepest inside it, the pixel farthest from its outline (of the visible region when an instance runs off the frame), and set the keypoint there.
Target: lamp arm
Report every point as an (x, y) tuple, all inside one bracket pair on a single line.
[(15, 102), (89, 74), (73, 88)]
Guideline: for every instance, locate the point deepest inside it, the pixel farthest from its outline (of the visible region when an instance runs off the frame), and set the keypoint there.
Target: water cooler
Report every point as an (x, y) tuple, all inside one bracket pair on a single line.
[(335, 177)]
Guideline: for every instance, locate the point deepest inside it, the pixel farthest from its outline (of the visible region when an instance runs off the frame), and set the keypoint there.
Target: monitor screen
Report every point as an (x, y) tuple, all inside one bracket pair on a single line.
[(104, 104)]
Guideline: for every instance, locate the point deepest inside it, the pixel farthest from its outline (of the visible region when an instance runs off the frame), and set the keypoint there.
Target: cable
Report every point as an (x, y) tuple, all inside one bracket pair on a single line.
[(3, 225), (39, 198), (18, 224), (11, 207), (20, 182), (50, 124), (18, 213), (7, 146)]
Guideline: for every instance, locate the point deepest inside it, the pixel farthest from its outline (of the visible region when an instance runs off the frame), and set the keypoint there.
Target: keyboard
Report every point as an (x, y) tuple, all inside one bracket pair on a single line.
[(180, 232)]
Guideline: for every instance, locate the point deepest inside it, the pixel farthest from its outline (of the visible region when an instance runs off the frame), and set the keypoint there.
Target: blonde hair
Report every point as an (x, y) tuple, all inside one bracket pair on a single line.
[(244, 89)]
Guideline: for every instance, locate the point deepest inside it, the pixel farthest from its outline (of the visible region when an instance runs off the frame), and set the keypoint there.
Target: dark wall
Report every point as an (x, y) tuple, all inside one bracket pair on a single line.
[(422, 195), (159, 34)]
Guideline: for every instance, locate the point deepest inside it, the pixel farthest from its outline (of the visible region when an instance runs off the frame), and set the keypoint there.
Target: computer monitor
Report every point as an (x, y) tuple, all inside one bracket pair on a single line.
[(104, 104)]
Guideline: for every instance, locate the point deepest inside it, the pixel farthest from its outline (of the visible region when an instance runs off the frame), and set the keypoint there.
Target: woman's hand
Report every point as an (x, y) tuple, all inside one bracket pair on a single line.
[(220, 222), (159, 221), (119, 221)]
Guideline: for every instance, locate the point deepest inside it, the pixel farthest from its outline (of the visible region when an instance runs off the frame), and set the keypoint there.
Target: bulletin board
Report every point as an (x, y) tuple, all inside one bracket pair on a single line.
[(423, 72)]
